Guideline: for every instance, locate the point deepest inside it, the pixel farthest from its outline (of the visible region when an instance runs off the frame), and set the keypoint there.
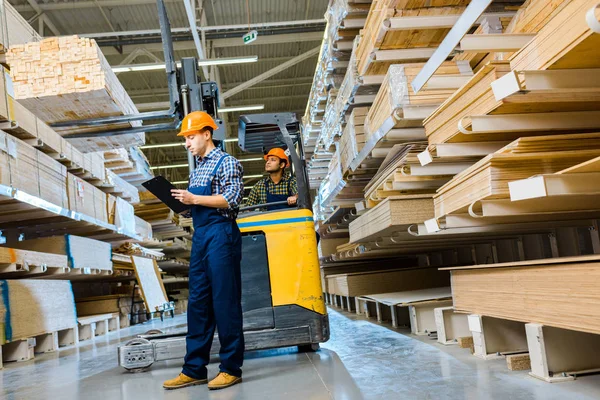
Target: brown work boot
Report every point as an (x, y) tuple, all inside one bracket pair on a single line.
[(223, 380), (183, 381)]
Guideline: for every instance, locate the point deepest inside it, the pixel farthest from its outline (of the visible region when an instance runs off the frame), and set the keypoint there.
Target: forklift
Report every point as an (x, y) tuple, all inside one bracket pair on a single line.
[(282, 297)]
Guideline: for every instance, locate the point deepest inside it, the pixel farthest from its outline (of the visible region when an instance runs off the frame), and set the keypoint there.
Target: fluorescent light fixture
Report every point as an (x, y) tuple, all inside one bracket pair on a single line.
[(170, 166), (242, 108), (179, 182), (228, 60), (186, 165), (202, 63), (156, 146)]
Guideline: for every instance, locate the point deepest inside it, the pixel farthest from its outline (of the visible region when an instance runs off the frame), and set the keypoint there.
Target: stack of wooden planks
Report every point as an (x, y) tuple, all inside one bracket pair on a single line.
[(118, 303), (488, 178), (68, 78), (353, 137), (394, 214), (33, 307), (20, 263), (565, 291), (82, 253), (362, 283), (413, 38)]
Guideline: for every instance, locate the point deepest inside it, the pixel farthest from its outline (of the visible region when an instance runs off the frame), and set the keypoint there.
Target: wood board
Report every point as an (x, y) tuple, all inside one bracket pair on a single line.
[(82, 253), (150, 281), (411, 296), (564, 294), (32, 307), (363, 283)]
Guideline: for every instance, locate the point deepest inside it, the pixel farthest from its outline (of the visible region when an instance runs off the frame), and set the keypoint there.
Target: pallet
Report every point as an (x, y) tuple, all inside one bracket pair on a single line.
[(97, 325), (25, 349), (450, 325)]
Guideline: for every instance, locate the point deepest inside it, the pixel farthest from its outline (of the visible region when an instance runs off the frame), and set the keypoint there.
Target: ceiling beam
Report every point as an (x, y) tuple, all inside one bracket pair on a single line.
[(274, 71), (38, 10), (71, 5), (219, 43)]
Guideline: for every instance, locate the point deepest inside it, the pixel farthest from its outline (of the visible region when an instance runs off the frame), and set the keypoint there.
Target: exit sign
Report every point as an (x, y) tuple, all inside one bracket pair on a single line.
[(250, 37)]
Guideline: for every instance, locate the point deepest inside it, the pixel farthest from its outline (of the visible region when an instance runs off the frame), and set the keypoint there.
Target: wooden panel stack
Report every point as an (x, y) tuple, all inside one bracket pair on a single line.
[(86, 198), (394, 214), (34, 307), (379, 38), (362, 283), (353, 137), (68, 78), (82, 253), (488, 178), (569, 40), (564, 291)]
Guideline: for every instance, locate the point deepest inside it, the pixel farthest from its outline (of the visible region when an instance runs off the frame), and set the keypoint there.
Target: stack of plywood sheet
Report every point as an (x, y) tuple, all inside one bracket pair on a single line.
[(565, 291), (34, 307), (569, 40), (68, 78), (488, 178), (411, 39), (394, 214), (86, 198), (353, 137), (118, 303), (82, 253), (361, 283)]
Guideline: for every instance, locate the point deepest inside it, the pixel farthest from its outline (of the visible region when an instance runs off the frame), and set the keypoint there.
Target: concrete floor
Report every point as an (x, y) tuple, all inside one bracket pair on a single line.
[(362, 360)]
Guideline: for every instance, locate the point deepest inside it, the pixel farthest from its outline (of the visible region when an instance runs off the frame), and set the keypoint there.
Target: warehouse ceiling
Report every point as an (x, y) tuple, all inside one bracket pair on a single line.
[(127, 31)]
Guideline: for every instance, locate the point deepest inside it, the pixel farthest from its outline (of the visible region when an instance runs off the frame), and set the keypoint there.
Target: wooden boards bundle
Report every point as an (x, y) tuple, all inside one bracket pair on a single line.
[(379, 35), (392, 215), (569, 40), (362, 283), (26, 169), (565, 292), (353, 137), (32, 307), (87, 199), (488, 178), (82, 253), (67, 78), (396, 93)]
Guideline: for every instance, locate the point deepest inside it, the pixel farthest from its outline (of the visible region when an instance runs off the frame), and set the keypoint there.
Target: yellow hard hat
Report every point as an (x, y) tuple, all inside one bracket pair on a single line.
[(196, 121)]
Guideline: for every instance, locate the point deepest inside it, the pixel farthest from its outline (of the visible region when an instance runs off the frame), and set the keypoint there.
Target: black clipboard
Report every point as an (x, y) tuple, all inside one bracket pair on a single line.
[(161, 188)]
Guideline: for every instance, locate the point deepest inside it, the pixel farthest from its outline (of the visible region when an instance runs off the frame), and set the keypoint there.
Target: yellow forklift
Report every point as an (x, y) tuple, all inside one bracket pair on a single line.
[(282, 297)]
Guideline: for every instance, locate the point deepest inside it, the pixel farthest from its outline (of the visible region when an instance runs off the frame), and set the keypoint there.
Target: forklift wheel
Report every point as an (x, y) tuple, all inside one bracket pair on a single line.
[(308, 348)]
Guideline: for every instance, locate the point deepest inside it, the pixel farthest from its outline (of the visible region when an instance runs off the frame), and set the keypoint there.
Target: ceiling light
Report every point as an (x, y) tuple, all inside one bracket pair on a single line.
[(156, 146), (231, 140), (241, 108), (202, 63), (228, 60), (170, 166), (179, 182)]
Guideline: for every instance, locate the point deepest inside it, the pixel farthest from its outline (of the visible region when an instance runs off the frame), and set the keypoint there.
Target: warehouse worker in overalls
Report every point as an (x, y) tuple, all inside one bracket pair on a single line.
[(215, 192), (278, 186)]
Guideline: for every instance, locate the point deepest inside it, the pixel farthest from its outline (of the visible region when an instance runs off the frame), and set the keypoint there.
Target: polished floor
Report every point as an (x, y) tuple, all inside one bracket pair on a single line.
[(362, 360)]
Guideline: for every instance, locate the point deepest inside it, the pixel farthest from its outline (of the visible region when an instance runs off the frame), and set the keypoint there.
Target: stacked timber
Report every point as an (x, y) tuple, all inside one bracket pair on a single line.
[(84, 255), (353, 137), (34, 307), (398, 31), (17, 263), (68, 78), (117, 303), (564, 291), (361, 283), (488, 179)]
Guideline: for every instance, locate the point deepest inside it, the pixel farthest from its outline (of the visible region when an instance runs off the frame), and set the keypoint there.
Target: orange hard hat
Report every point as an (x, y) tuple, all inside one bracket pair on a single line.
[(279, 153), (196, 121)]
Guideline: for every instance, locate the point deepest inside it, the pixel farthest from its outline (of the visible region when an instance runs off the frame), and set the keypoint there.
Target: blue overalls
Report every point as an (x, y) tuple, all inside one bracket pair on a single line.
[(272, 198), (215, 286)]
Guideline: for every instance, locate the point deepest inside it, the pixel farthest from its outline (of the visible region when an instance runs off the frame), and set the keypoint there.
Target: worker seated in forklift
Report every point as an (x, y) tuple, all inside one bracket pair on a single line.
[(278, 187)]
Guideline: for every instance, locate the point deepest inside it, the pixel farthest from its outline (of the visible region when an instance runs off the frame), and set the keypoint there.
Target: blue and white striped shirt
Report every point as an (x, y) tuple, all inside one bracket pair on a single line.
[(228, 179)]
